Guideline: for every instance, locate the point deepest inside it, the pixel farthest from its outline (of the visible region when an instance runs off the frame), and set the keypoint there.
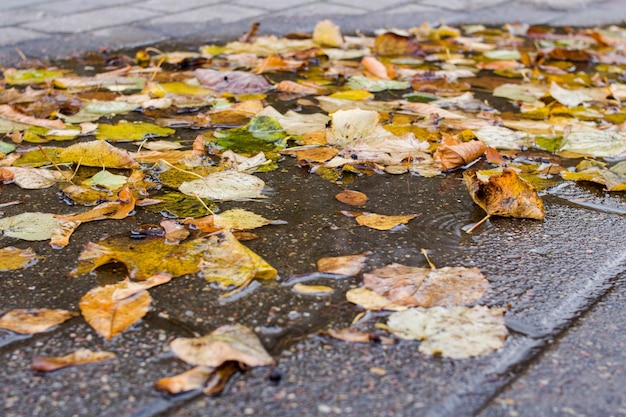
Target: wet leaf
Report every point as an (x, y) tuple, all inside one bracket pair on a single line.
[(351, 197), (343, 265), (613, 179), (79, 357), (358, 82), (30, 76), (355, 95), (390, 43), (236, 219), (225, 186), (426, 287), (326, 33), (111, 309), (125, 131), (94, 110), (295, 123), (233, 342), (505, 194), (350, 125), (353, 335), (10, 113), (570, 98), (383, 222), (454, 332), (12, 258), (181, 205), (118, 209), (596, 143), (371, 300), (36, 320), (29, 226), (97, 154), (190, 380), (107, 180)]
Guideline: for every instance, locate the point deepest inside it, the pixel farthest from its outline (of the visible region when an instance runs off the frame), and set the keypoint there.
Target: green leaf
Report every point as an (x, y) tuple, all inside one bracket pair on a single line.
[(30, 76), (126, 131), (6, 148), (261, 134), (181, 206)]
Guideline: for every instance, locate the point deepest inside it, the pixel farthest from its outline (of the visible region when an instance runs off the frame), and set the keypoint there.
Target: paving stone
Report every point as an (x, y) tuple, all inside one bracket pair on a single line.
[(12, 36), (221, 12), (15, 4), (327, 10), (462, 4), (64, 7), (173, 7), (274, 5), (372, 5), (96, 19)]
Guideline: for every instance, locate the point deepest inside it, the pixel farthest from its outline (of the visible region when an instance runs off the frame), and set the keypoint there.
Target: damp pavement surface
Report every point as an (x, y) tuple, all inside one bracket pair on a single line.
[(562, 280)]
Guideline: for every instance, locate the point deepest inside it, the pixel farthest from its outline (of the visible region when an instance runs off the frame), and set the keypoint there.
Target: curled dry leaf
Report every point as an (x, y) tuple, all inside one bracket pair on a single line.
[(317, 290), (505, 194), (119, 209), (32, 178), (352, 335), (349, 265), (60, 236), (80, 357), (351, 197), (426, 287), (190, 380), (375, 67), (12, 258), (326, 33), (233, 342), (34, 320), (454, 332), (453, 153), (8, 112)]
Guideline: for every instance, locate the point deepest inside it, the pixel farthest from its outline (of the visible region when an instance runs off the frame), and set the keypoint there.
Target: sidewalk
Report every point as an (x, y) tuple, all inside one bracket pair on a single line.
[(554, 363), (57, 28)]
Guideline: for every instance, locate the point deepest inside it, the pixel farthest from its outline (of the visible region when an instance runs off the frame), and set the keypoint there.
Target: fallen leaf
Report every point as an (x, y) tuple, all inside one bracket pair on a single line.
[(371, 300), (383, 222), (357, 82), (614, 179), (326, 33), (80, 357), (233, 342), (375, 67), (452, 153), (32, 178), (236, 219), (9, 113), (427, 287), (35, 320), (235, 82), (60, 235), (389, 44), (12, 258), (98, 154), (342, 265), (29, 226), (225, 186), (350, 125), (505, 194), (353, 335), (596, 143), (118, 209), (190, 380), (570, 98), (351, 197), (111, 309), (125, 131), (317, 290), (453, 332), (174, 231)]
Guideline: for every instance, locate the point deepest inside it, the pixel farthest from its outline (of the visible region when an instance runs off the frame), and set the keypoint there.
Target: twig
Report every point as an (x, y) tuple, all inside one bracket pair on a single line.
[(477, 225), (10, 203), (55, 165), (425, 253)]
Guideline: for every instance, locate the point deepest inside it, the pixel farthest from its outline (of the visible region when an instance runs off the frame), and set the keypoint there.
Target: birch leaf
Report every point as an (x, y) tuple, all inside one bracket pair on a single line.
[(29, 226)]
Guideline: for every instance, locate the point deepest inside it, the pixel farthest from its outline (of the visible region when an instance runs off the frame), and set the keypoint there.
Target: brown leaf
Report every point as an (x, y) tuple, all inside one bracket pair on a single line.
[(352, 335), (453, 153), (119, 209), (190, 380), (375, 67), (426, 287), (233, 342), (302, 87), (351, 197), (342, 265), (505, 194), (80, 357), (390, 43), (35, 320)]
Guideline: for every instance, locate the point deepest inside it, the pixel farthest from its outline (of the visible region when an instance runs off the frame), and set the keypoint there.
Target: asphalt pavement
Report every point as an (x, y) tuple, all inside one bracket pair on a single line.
[(563, 279)]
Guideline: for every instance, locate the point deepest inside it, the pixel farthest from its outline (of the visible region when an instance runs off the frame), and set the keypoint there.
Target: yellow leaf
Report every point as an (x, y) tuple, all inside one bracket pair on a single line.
[(12, 258), (80, 357), (382, 222), (98, 154), (35, 320)]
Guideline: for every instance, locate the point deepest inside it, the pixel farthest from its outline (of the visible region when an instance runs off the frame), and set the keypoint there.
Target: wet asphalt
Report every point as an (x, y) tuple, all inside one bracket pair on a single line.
[(562, 281)]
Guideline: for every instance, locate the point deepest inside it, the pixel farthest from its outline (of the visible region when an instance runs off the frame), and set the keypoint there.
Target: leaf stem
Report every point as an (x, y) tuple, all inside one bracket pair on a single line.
[(477, 225)]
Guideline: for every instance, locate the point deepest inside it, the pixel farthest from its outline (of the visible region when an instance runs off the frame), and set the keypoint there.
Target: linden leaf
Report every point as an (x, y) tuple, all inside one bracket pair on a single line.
[(225, 186), (383, 222), (108, 316), (36, 320), (80, 357), (131, 131), (454, 332), (29, 226), (97, 154), (233, 342), (12, 258), (426, 287), (505, 194)]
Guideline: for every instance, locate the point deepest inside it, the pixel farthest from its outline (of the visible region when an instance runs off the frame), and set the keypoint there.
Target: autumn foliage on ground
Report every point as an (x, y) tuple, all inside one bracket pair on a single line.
[(178, 133)]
